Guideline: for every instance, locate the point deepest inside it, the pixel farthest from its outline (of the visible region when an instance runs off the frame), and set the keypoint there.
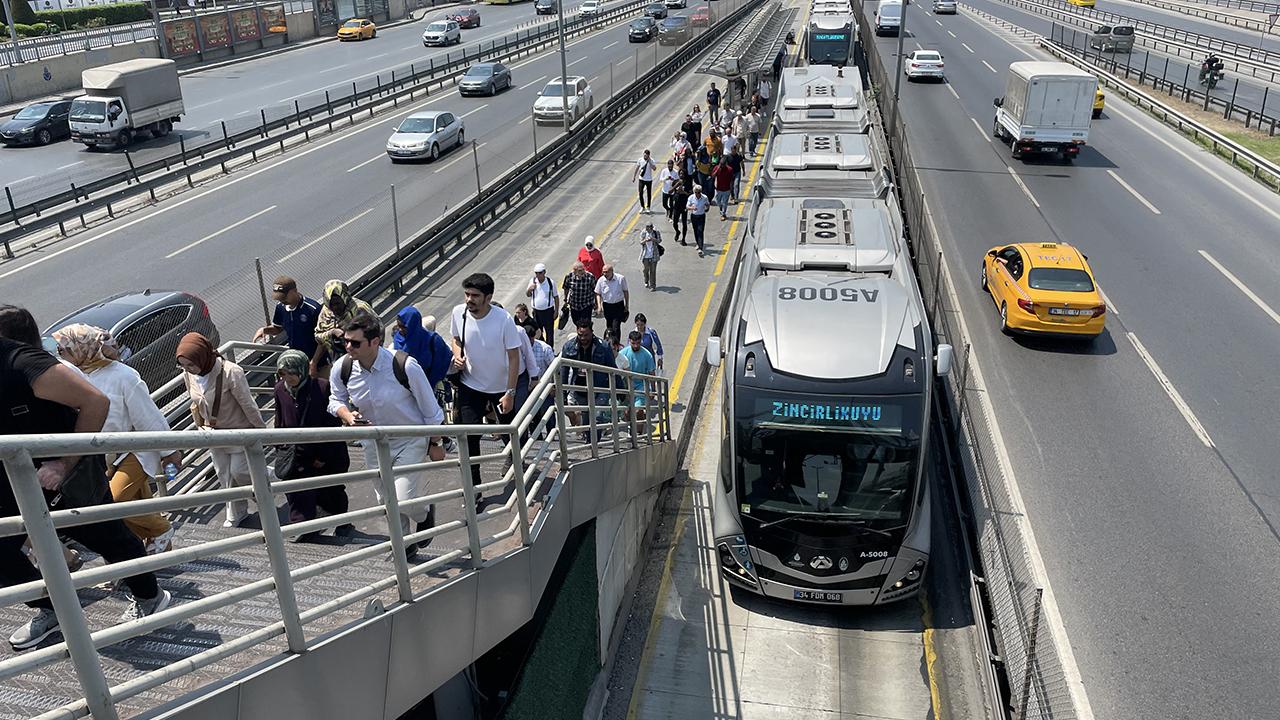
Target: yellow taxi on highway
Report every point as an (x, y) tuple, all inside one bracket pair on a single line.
[(357, 29), (1044, 288), (1099, 102), (1082, 3)]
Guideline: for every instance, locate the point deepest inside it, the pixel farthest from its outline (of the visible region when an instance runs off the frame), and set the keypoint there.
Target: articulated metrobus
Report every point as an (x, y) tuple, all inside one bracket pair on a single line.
[(829, 40)]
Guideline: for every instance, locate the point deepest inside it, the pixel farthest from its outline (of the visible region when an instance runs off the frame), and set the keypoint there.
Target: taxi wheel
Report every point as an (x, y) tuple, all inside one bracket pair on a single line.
[(983, 276), (1004, 319)]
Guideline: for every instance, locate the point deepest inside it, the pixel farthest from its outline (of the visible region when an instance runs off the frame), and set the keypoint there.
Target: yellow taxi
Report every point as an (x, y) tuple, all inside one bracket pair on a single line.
[(1044, 288), (357, 29), (1082, 3), (1099, 102)]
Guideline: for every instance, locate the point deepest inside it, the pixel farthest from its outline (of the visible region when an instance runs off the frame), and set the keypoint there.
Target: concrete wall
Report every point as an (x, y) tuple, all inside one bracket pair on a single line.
[(302, 26), (61, 74), (620, 547)]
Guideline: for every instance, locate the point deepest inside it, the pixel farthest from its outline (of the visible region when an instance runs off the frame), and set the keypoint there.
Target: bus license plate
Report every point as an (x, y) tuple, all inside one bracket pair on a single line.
[(818, 596), (1070, 312)]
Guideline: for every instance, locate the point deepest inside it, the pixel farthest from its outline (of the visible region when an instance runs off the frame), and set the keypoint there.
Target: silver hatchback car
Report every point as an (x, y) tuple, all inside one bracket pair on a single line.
[(426, 135), (944, 7)]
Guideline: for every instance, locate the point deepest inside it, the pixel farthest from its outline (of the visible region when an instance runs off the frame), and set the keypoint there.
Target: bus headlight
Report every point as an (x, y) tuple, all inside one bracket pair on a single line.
[(735, 560), (911, 577)]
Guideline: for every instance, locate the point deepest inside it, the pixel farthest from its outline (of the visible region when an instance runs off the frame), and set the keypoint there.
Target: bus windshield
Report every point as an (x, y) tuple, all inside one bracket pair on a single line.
[(848, 457), (829, 47)]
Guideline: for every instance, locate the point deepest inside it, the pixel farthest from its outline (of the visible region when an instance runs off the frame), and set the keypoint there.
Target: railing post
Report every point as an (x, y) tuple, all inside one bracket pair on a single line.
[(262, 289), (561, 437), (387, 476), (591, 412), (57, 579), (273, 536), (469, 503), (517, 469), (632, 420)]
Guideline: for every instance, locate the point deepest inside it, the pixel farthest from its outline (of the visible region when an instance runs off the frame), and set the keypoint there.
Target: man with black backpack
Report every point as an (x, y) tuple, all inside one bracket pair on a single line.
[(372, 385)]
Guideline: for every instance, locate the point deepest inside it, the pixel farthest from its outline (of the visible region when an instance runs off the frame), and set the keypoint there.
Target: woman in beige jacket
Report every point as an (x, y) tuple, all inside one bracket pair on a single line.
[(220, 400)]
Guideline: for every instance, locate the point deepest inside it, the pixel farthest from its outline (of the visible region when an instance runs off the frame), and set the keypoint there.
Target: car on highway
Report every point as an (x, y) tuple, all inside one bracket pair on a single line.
[(466, 17), (674, 30), (1044, 288), (146, 326), (1112, 38), (924, 64), (485, 78), (1082, 3), (701, 16), (944, 7), (442, 32), (426, 134), (673, 4), (549, 107), (657, 11), (37, 124), (546, 7), (642, 30), (589, 8), (357, 29), (1099, 103)]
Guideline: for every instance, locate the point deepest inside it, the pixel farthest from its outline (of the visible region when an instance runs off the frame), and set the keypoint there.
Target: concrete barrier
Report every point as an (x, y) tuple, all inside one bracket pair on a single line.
[(61, 74), (302, 26)]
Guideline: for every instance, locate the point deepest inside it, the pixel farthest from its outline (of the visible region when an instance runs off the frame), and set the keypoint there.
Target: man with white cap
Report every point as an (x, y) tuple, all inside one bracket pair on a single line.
[(544, 301), (591, 257)]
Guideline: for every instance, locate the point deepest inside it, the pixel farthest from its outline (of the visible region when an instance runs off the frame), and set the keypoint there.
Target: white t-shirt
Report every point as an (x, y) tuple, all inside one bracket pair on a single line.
[(646, 168), (545, 293), (730, 142), (485, 347), (666, 177)]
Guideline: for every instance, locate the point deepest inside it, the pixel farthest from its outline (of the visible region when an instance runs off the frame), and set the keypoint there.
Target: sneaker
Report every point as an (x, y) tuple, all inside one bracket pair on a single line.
[(162, 542), (142, 608), (44, 624), (425, 525), (344, 530), (700, 253)]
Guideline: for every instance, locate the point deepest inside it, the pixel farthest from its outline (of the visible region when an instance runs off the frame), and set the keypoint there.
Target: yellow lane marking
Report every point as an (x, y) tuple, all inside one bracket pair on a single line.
[(931, 660), (691, 343)]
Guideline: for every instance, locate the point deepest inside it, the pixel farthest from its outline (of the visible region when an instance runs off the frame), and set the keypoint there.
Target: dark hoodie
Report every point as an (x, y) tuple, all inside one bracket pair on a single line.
[(423, 345)]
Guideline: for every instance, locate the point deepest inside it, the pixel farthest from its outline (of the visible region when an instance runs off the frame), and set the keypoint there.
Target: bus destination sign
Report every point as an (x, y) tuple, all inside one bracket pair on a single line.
[(878, 416)]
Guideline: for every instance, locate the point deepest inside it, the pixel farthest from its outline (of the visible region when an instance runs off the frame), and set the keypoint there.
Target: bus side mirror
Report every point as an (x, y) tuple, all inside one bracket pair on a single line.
[(714, 353), (942, 362)]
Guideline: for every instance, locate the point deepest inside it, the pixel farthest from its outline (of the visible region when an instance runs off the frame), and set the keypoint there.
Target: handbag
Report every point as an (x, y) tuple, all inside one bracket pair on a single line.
[(287, 462), (455, 376), (85, 485)]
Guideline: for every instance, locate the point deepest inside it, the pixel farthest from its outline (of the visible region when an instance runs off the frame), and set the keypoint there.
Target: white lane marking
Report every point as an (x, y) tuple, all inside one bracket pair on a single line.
[(535, 82), (984, 62), (379, 156), (966, 47), (624, 60), (951, 33), (325, 236), (23, 179), (953, 92), (1000, 37), (473, 112), (575, 62), (1111, 306), (938, 21), (615, 42), (68, 165), (1212, 173), (919, 46), (981, 132), (523, 121), (450, 164), (1243, 288), (1057, 629), (1025, 189), (226, 229), (1172, 392), (1133, 192)]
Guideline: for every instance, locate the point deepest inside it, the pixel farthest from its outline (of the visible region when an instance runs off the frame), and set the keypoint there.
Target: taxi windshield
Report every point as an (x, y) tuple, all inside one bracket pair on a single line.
[(1060, 280), (351, 24)]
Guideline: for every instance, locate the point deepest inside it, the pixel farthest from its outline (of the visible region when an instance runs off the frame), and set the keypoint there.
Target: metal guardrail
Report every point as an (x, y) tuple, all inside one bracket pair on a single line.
[(69, 41), (1250, 5), (1240, 21), (291, 123), (550, 449), (1010, 588)]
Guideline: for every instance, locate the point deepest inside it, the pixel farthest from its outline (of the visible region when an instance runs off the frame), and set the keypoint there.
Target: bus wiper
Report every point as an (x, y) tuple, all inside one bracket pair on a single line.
[(820, 517)]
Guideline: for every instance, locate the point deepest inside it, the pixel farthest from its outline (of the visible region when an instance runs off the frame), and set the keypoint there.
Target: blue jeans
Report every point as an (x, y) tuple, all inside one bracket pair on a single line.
[(722, 201)]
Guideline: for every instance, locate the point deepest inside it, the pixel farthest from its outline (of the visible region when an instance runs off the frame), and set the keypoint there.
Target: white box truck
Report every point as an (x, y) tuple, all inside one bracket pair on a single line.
[(889, 17), (124, 100), (1047, 108)]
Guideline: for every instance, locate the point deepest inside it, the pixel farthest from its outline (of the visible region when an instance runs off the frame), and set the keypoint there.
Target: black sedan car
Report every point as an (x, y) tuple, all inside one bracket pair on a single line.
[(674, 30), (485, 78), (147, 326), (38, 124), (545, 7), (657, 11), (642, 30)]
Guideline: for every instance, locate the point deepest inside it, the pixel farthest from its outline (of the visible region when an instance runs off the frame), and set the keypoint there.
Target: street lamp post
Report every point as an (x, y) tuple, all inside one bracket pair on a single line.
[(155, 14), (13, 32), (897, 73), (564, 67)]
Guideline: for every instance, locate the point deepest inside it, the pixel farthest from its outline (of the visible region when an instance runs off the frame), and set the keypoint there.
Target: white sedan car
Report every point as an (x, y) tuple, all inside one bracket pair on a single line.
[(442, 32), (924, 64)]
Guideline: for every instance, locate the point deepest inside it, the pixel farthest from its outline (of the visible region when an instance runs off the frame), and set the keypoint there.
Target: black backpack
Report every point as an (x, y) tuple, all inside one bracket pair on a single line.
[(397, 366)]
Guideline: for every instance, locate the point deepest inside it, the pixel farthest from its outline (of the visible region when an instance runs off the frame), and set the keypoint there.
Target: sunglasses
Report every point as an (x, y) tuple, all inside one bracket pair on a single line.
[(352, 342)]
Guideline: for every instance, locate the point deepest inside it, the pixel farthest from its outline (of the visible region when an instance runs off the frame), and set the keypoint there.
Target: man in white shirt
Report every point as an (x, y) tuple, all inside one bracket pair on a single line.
[(613, 297), (667, 178), (373, 394), (545, 302), (643, 172), (730, 141), (486, 351)]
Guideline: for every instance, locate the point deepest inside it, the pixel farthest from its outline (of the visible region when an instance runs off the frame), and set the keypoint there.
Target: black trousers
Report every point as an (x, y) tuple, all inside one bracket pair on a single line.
[(472, 406), (645, 191), (546, 320), (614, 314), (581, 313), (680, 219), (666, 203), (112, 540), (699, 226), (332, 499)]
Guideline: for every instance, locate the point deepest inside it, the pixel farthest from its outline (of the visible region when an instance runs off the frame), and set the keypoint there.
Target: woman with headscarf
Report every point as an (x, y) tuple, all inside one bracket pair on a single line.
[(92, 350), (422, 344), (220, 400), (339, 307), (302, 402)]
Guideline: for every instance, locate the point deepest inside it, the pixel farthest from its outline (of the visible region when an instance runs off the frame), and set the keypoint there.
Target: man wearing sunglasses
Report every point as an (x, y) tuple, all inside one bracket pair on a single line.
[(387, 388)]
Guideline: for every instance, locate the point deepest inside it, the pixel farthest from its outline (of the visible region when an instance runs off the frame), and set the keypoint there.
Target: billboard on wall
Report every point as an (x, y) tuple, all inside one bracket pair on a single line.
[(180, 37), (38, 5), (244, 23), (326, 12), (273, 19), (215, 31)]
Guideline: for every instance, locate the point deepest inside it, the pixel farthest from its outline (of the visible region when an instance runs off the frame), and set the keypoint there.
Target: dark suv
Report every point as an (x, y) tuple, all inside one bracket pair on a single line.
[(147, 326), (674, 30), (642, 30), (545, 7)]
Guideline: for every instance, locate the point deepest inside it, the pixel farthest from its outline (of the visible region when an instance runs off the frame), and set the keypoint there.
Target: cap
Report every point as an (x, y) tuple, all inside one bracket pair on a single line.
[(590, 241), (284, 284), (649, 226), (540, 267)]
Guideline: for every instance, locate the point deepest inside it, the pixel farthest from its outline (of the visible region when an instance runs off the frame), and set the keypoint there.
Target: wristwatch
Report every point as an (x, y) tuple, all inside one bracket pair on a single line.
[(510, 391)]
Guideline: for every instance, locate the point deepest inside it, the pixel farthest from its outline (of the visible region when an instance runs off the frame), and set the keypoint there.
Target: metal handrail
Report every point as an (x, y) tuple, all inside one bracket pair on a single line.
[(542, 450)]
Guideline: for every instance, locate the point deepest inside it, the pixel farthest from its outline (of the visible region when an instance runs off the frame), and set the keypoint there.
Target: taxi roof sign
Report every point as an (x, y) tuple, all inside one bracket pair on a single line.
[(1048, 244)]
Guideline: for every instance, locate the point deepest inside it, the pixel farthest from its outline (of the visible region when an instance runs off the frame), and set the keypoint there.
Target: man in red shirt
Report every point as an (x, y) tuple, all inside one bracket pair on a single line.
[(723, 177)]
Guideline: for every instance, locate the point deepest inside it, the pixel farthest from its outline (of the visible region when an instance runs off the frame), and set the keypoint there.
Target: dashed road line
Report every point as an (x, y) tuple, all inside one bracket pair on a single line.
[(1242, 287), (984, 62), (226, 229), (1133, 192), (1025, 190), (1172, 392)]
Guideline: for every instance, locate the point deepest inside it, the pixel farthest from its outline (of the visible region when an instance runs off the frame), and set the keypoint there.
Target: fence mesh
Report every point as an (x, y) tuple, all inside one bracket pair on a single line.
[(1037, 684)]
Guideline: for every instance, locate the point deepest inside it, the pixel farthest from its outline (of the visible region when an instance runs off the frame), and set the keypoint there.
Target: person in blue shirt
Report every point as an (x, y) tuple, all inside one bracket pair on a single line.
[(649, 339), (295, 315), (639, 360), (427, 347)]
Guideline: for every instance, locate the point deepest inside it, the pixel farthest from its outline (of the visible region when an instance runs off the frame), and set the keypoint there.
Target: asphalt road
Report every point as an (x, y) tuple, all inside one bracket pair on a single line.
[(318, 213), (1161, 550), (235, 94)]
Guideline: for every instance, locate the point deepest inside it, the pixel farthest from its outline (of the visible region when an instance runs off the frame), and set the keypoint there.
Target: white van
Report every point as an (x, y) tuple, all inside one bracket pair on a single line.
[(889, 17)]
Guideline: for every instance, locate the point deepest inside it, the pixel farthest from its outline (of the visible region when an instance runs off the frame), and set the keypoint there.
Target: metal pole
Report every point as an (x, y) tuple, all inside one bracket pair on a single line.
[(517, 468), (1031, 652), (155, 15), (395, 533), (610, 80), (469, 503), (57, 579), (273, 537), (533, 125), (897, 72), (560, 424), (262, 289), (475, 157), (395, 218), (564, 66), (591, 412), (13, 32)]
